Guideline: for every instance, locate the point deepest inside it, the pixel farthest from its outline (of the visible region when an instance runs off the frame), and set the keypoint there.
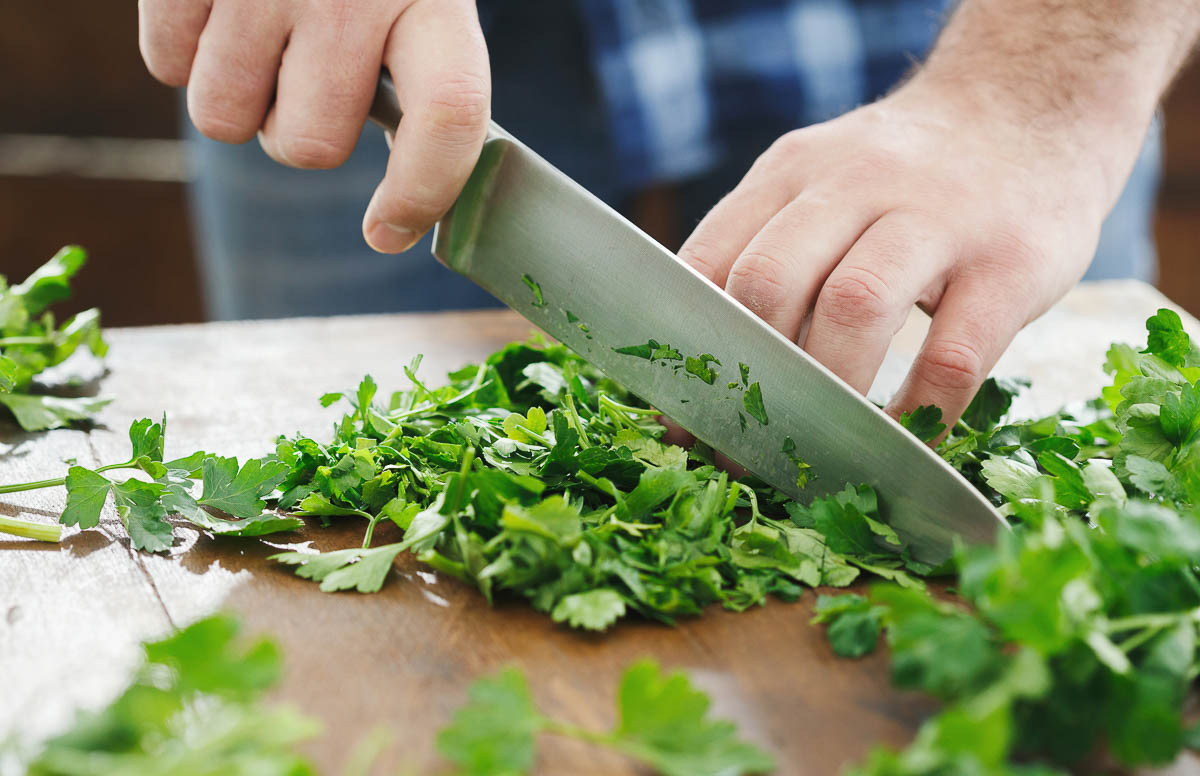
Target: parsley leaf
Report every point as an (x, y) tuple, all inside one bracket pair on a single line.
[(239, 492), (140, 507), (663, 721), (361, 570), (538, 299), (42, 413), (594, 610), (494, 732), (1166, 338), (700, 366), (8, 374), (854, 624), (147, 438), (925, 422), (753, 401), (86, 493)]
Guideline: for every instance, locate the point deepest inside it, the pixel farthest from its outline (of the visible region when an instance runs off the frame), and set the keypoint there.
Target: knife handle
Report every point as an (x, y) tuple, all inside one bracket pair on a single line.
[(385, 109)]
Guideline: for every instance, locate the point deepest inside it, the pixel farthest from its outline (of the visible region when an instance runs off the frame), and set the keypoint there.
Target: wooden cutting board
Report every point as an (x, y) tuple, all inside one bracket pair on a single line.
[(71, 616)]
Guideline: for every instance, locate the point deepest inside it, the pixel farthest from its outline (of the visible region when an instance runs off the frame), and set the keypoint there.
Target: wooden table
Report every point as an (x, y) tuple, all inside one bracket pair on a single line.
[(71, 616)]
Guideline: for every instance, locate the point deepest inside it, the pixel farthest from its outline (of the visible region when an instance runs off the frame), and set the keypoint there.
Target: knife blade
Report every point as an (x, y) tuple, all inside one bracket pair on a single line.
[(581, 272)]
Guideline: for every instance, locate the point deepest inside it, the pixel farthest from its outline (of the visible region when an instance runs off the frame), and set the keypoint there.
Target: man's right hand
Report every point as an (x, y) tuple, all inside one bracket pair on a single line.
[(301, 75)]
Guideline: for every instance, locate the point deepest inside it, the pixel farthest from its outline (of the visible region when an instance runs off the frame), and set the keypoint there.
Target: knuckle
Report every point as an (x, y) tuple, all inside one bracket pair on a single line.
[(309, 151), (161, 62), (1010, 246), (459, 108), (701, 255), (854, 297), (758, 279), (953, 365), (169, 73), (781, 157), (787, 145), (218, 124), (399, 205)]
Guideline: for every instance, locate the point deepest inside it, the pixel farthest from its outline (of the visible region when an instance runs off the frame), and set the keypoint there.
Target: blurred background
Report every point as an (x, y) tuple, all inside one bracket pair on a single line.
[(89, 154)]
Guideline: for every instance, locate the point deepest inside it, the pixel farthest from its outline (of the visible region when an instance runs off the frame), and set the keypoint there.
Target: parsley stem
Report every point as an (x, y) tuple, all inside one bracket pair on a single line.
[(577, 732), (464, 468), (366, 545), (31, 530), (58, 481), (625, 408), (8, 342), (573, 417), (541, 438), (1138, 639), (1152, 620), (21, 486)]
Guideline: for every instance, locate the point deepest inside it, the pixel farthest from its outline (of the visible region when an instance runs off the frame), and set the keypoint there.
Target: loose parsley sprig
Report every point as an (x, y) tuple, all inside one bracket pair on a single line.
[(230, 502), (31, 342), (196, 705), (662, 721)]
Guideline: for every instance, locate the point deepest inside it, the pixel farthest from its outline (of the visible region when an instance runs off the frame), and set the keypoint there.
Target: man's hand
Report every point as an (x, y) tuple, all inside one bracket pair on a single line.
[(840, 228), (976, 191), (301, 75)]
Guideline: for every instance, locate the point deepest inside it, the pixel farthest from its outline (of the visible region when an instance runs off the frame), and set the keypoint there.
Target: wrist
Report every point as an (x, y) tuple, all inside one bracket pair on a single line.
[(1093, 145), (1077, 79)]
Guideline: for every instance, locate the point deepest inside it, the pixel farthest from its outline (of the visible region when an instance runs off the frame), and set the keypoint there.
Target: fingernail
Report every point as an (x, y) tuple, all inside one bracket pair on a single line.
[(387, 238), (271, 149)]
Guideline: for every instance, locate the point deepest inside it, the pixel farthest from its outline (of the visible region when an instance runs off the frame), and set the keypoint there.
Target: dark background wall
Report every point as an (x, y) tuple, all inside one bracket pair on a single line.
[(71, 68)]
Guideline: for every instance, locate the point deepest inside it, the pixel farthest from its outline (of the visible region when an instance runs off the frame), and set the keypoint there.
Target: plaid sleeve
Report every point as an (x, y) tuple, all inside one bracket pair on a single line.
[(685, 80)]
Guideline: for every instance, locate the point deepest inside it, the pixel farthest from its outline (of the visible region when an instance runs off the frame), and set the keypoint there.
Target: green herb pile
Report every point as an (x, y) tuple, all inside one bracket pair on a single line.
[(1080, 630), (31, 342), (197, 706), (534, 474)]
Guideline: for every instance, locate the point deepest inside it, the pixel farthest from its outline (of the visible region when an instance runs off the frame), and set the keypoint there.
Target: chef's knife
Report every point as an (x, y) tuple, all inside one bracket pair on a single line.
[(577, 269)]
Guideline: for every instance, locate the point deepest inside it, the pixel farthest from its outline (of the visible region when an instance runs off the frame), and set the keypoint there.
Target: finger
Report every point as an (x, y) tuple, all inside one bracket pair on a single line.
[(681, 437), (778, 274), (326, 82), (233, 75), (168, 31), (676, 434), (439, 63), (971, 327), (728, 228), (867, 297)]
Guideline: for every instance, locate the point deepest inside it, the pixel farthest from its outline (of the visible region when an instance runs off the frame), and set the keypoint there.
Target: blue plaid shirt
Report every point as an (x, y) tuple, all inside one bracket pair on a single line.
[(685, 80)]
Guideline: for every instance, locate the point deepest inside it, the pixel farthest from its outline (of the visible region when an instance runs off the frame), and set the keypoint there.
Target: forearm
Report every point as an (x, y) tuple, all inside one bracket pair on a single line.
[(1091, 70)]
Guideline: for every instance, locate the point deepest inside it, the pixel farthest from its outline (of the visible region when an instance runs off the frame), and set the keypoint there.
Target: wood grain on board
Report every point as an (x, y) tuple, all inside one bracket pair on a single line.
[(71, 616)]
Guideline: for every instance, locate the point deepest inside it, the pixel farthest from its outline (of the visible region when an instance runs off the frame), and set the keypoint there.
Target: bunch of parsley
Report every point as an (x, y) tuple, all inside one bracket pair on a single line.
[(196, 706), (31, 341), (534, 474), (1079, 638)]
